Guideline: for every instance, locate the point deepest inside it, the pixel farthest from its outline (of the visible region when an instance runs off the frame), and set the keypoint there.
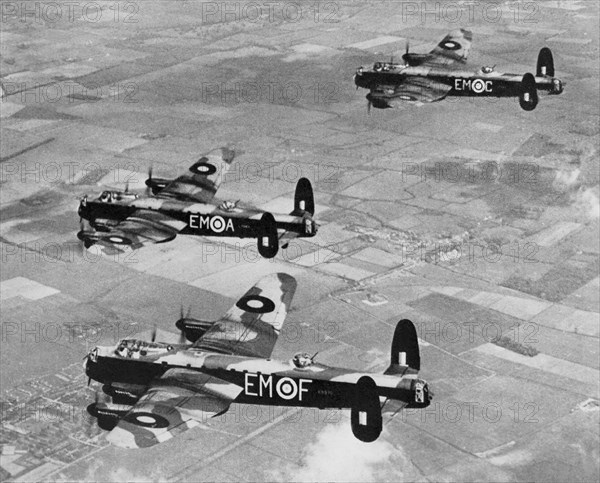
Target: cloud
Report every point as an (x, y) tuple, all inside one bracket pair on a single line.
[(122, 475), (565, 179), (337, 456), (98, 471), (587, 203)]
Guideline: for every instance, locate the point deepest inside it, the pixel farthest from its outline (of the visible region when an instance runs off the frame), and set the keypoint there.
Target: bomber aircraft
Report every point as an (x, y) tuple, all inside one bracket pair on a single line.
[(440, 73), (159, 390), (185, 205)]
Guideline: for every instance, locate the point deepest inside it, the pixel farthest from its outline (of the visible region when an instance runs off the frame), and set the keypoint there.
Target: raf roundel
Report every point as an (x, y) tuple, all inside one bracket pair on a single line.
[(256, 304), (286, 388), (450, 45), (147, 420), (118, 240), (203, 166)]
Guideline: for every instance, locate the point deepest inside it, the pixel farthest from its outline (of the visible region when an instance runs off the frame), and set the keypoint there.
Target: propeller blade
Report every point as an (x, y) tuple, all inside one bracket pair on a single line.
[(407, 46), (369, 107), (153, 336), (182, 337), (81, 244), (127, 187), (148, 189)]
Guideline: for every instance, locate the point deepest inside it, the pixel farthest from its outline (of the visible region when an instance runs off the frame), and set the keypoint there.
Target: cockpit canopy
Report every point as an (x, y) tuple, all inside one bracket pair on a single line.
[(486, 69), (302, 360), (128, 347), (228, 205), (112, 196), (381, 66)]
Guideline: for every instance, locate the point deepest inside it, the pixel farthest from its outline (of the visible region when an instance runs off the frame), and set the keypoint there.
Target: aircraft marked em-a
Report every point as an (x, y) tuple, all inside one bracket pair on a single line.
[(185, 205)]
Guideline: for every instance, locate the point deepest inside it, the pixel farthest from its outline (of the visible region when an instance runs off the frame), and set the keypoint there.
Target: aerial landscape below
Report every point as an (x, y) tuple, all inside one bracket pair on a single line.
[(472, 221)]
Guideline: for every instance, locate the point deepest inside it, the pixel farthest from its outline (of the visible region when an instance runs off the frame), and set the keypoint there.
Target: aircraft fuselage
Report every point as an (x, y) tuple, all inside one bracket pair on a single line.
[(198, 218), (262, 381), (463, 83)]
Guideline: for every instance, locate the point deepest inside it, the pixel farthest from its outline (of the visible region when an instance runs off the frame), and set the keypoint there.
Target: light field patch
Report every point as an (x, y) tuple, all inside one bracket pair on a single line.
[(580, 373), (376, 42), (29, 289)]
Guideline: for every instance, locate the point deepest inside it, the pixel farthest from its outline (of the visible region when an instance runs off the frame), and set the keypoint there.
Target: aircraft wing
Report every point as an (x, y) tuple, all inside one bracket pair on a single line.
[(421, 89), (454, 47), (251, 327), (391, 407), (179, 400), (203, 179), (142, 227), (412, 89)]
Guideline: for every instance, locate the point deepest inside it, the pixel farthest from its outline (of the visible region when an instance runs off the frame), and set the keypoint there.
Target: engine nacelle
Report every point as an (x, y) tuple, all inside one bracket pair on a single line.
[(378, 102), (123, 394), (414, 60), (107, 414), (157, 184), (193, 329), (365, 414), (104, 224)]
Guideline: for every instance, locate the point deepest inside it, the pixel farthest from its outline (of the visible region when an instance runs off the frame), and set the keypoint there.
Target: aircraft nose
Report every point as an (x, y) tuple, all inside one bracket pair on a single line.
[(82, 210)]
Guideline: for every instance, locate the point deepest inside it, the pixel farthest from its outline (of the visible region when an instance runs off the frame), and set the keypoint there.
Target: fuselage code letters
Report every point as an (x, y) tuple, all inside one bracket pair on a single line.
[(216, 224), (261, 385), (476, 85)]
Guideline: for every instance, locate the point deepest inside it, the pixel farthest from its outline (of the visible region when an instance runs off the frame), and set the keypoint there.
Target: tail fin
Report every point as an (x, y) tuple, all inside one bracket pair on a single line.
[(405, 349), (227, 154), (545, 63), (528, 95), (304, 201)]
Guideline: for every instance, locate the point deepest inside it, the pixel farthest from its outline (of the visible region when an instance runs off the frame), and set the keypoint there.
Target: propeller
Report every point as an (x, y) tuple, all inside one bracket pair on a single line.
[(82, 204), (149, 182), (82, 229), (153, 336), (407, 47), (369, 104), (181, 326), (182, 338), (127, 187)]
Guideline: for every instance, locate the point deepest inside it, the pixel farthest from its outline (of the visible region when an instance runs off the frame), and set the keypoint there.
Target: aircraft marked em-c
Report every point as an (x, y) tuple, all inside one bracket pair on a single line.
[(438, 74)]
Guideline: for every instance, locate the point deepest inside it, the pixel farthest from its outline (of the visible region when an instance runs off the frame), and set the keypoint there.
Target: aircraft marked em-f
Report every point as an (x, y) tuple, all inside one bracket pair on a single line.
[(159, 390)]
